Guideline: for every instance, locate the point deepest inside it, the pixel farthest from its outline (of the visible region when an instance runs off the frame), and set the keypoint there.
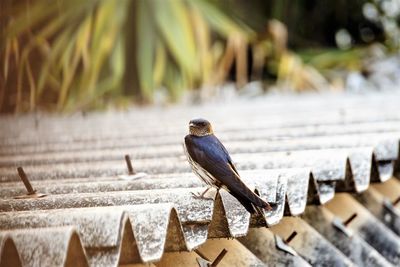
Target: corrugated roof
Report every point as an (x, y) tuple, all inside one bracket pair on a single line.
[(295, 151)]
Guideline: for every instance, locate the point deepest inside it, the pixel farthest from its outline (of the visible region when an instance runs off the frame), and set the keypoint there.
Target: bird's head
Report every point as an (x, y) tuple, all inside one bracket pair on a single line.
[(200, 127)]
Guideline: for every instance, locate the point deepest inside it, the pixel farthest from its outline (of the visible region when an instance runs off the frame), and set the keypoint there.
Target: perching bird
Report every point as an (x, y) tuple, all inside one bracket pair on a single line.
[(211, 162)]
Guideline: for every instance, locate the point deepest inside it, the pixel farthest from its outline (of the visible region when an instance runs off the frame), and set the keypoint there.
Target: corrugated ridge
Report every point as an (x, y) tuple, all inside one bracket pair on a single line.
[(237, 220)]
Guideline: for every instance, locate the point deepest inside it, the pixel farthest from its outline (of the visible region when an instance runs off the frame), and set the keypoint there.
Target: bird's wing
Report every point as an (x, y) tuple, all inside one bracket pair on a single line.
[(212, 156), (209, 156), (227, 156), (229, 159)]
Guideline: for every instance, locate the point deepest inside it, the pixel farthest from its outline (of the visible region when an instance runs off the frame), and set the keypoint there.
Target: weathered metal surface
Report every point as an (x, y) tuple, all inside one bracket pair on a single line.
[(189, 207), (382, 239), (369, 228), (104, 229), (271, 185), (309, 244), (382, 208), (391, 216), (63, 146), (48, 247), (298, 190), (287, 153), (261, 242), (236, 255), (326, 165), (280, 244), (386, 170), (58, 149), (265, 181), (104, 184), (354, 247), (9, 255), (303, 114), (385, 146)]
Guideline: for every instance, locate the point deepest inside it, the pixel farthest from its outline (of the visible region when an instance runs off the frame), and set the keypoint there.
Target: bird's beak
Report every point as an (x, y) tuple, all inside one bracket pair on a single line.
[(192, 124)]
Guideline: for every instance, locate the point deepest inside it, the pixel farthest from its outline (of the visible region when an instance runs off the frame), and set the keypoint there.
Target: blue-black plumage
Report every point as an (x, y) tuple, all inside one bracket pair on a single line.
[(211, 162)]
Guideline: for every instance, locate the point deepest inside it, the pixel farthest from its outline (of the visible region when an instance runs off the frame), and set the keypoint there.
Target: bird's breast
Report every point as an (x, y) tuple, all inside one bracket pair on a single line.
[(200, 172)]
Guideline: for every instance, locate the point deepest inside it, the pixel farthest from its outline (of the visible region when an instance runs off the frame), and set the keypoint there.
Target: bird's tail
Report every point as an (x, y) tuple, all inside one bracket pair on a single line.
[(262, 210), (252, 202)]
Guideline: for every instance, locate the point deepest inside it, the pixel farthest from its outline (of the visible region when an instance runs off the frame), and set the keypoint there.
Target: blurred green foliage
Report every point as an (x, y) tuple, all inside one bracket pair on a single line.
[(70, 55)]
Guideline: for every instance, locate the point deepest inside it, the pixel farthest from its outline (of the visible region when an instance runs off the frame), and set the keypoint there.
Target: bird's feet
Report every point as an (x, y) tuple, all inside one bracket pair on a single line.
[(268, 207), (201, 195)]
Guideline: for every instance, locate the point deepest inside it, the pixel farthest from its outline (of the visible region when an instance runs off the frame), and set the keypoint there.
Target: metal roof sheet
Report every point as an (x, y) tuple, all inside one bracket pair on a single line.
[(292, 154)]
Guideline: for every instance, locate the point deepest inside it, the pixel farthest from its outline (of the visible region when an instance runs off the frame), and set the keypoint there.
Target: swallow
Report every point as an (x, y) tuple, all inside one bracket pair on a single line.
[(210, 161)]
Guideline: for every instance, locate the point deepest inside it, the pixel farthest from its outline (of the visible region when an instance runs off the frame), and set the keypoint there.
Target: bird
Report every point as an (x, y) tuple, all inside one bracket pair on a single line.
[(211, 162)]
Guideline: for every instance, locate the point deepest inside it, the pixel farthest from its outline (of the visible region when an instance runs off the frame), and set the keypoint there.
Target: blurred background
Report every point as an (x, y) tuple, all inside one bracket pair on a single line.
[(71, 55)]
